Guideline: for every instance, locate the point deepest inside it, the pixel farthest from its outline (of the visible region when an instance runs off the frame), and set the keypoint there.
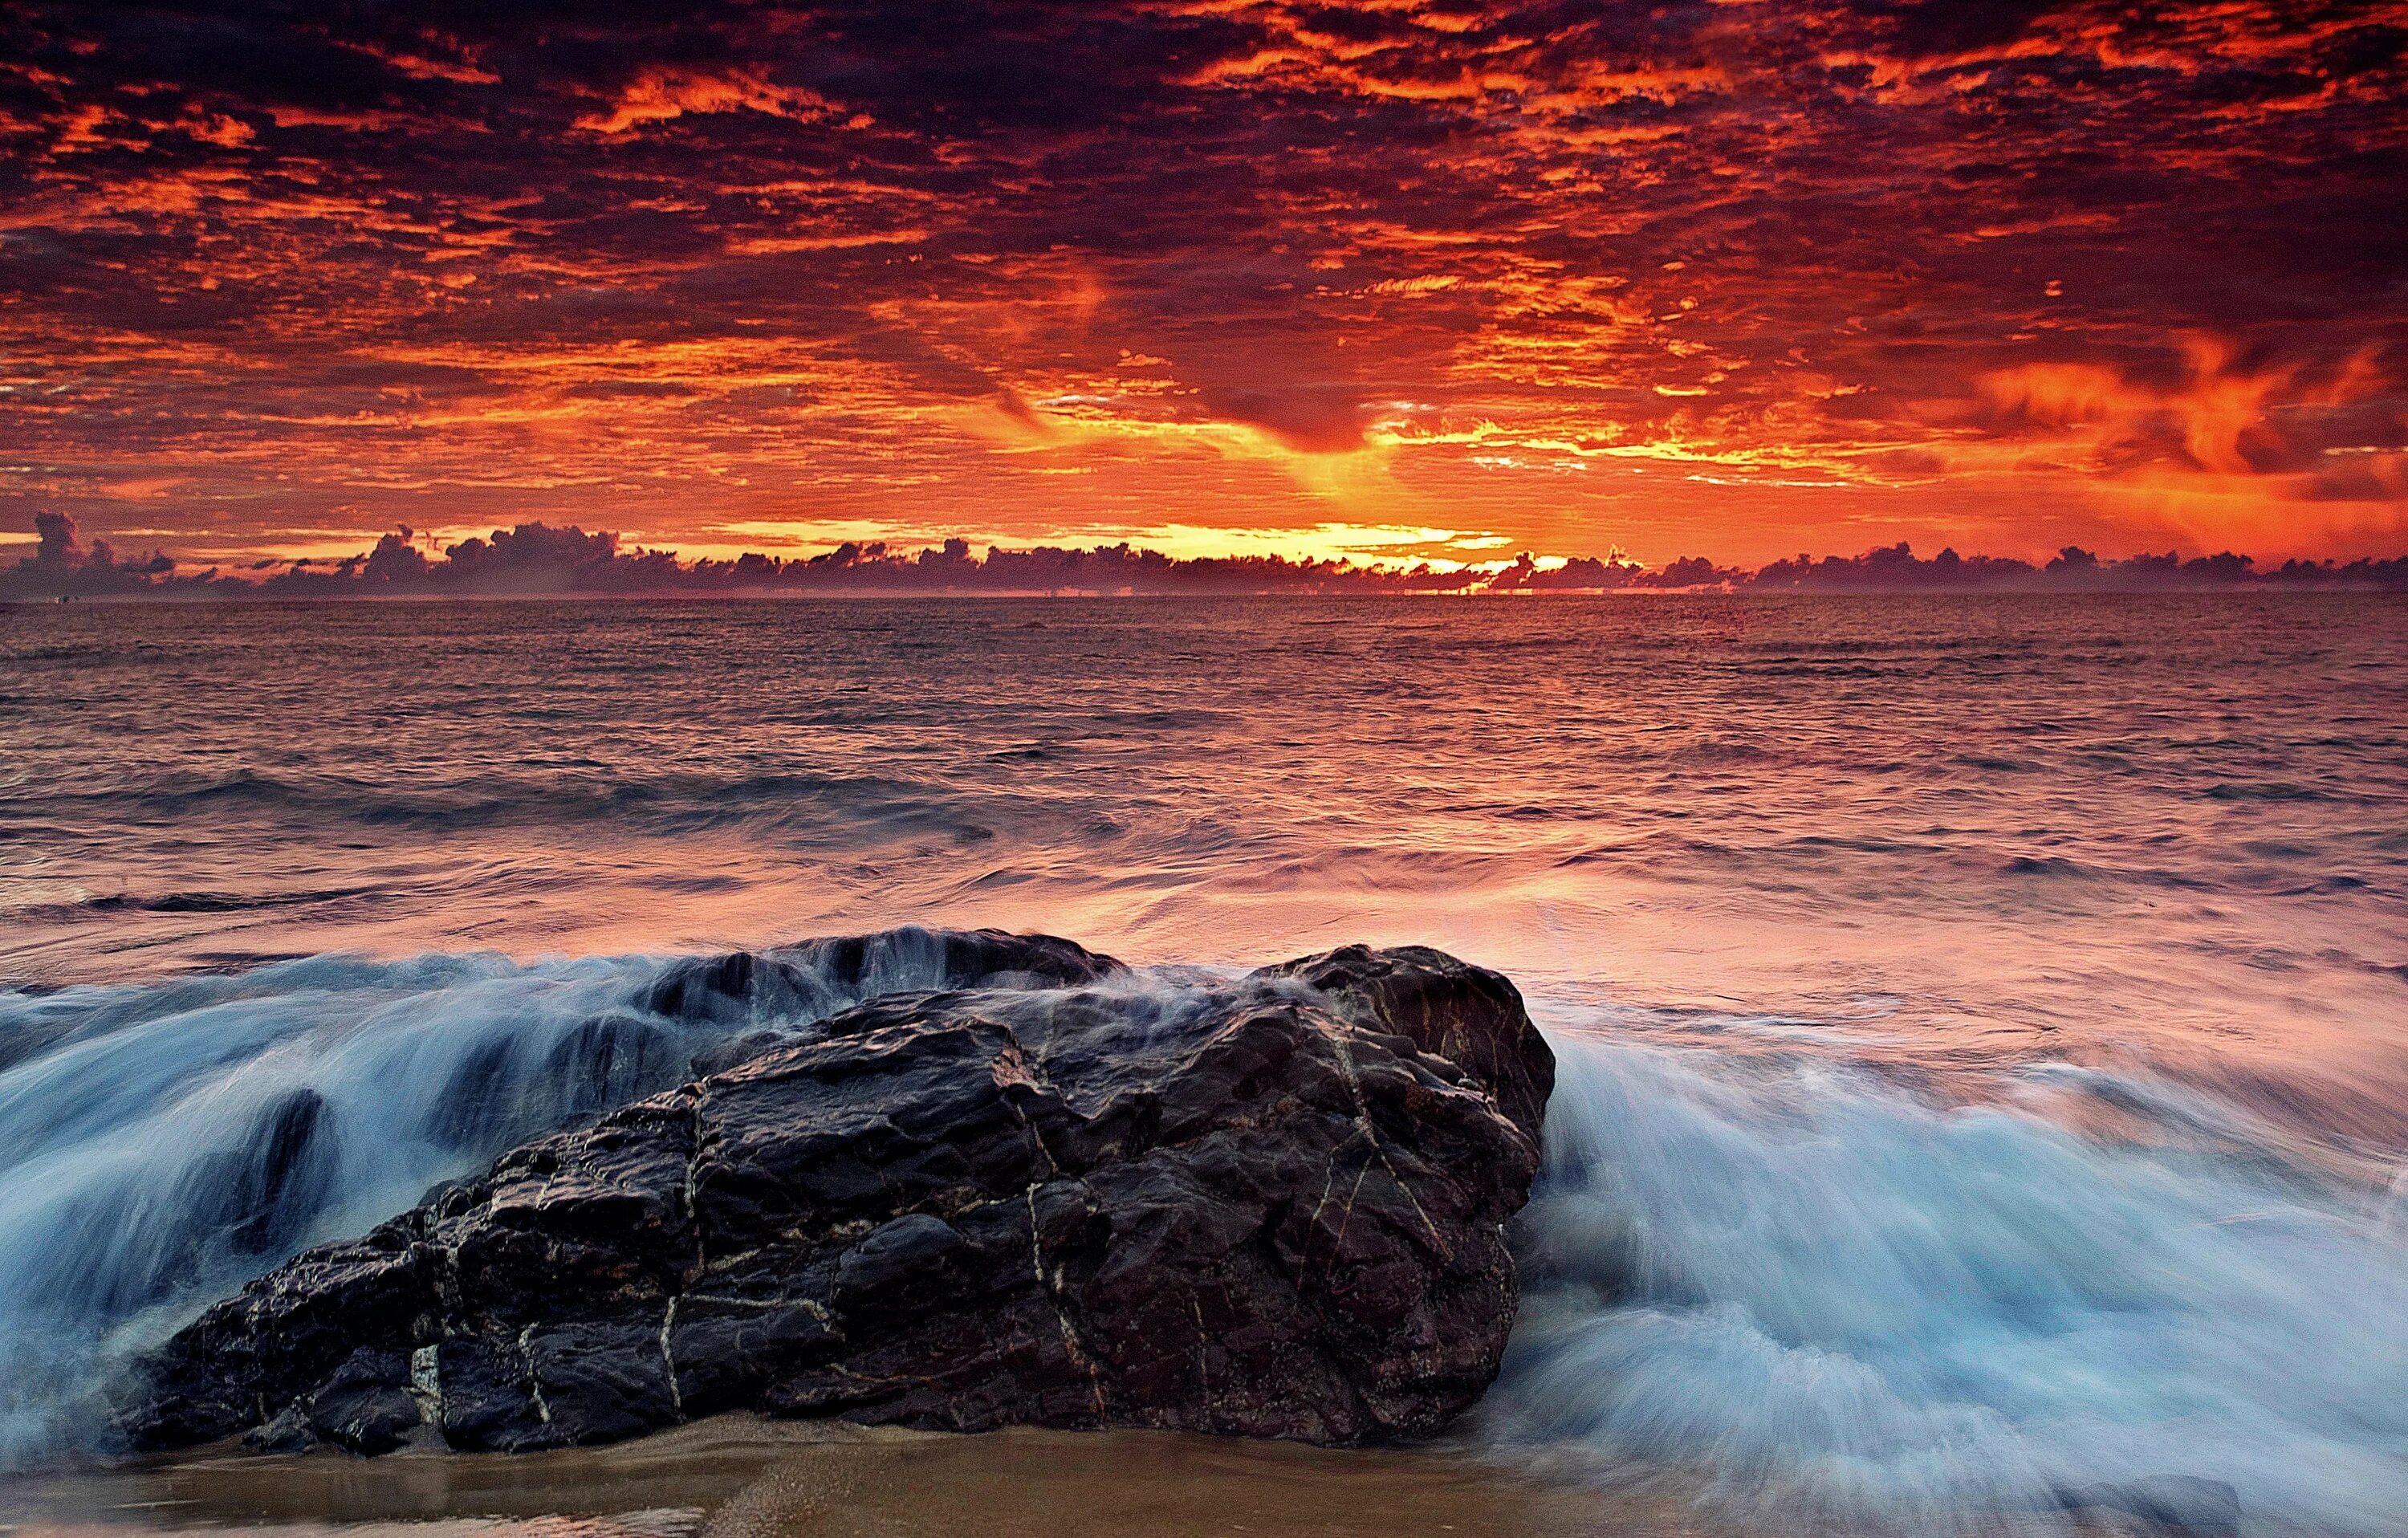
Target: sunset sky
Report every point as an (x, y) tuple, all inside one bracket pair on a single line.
[(1401, 278)]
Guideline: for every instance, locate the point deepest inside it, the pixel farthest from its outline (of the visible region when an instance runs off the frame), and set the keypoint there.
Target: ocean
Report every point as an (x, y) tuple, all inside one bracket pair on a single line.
[(1983, 1021)]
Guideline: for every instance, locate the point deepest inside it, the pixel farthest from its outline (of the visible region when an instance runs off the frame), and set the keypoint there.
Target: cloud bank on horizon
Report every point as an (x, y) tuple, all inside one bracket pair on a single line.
[(541, 560), (1402, 279)]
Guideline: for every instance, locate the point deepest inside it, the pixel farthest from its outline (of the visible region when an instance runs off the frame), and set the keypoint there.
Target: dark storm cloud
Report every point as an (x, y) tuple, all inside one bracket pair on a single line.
[(280, 265)]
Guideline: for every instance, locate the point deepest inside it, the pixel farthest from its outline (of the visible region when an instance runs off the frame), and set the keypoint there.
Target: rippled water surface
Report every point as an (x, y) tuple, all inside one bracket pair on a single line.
[(1986, 1022)]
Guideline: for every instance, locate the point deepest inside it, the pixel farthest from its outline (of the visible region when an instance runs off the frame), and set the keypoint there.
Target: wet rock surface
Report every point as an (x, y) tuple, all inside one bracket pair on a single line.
[(1063, 1194)]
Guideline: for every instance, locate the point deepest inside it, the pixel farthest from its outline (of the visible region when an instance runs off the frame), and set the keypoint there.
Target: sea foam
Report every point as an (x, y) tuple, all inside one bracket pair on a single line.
[(1821, 1295), (162, 1143), (1830, 1298)]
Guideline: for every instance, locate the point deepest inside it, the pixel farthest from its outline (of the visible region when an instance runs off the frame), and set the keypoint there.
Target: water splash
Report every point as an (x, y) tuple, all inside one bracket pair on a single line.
[(161, 1144), (1836, 1302), (1828, 1299)]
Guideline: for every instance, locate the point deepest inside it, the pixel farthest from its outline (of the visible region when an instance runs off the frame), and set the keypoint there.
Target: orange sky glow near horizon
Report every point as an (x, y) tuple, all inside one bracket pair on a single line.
[(1392, 281)]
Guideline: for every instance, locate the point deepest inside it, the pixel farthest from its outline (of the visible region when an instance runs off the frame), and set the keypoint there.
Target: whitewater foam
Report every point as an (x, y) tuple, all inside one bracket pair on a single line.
[(1836, 1302), (1822, 1296), (162, 1143)]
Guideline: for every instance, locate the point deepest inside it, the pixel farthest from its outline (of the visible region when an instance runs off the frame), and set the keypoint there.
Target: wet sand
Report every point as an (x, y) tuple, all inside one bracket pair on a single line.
[(741, 1478)]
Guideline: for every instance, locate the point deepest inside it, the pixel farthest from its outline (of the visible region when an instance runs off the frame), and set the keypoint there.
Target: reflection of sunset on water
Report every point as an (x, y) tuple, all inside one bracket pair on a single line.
[(1976, 1018)]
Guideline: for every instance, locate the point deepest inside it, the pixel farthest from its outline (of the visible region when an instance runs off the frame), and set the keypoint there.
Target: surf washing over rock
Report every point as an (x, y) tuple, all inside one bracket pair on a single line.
[(1268, 1207), (1815, 1290), (163, 1144), (1834, 1300)]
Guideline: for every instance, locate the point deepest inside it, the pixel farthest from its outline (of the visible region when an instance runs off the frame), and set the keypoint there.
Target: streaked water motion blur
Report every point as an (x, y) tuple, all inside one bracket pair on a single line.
[(1985, 1021)]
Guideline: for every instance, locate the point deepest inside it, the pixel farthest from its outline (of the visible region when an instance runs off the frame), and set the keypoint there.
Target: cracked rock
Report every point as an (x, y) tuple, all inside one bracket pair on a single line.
[(1067, 1196)]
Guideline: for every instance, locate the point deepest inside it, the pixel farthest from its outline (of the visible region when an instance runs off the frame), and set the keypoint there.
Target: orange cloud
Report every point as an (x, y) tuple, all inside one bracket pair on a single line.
[(2211, 413), (1571, 279), (659, 94)]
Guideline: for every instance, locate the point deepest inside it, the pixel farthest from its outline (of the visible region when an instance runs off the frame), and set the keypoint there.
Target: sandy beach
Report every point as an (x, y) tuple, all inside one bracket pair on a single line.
[(740, 1476)]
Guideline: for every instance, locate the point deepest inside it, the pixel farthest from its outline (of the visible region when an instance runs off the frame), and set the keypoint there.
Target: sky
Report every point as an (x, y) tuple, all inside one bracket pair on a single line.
[(1443, 280)]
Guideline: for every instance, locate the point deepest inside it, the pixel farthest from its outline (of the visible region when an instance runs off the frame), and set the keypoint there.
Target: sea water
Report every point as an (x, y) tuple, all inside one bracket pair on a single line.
[(1982, 1023)]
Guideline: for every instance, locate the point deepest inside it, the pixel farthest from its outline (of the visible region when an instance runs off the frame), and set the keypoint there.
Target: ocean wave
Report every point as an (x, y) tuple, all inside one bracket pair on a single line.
[(162, 1144), (665, 802), (216, 902), (1825, 1298), (1838, 1303), (2268, 790)]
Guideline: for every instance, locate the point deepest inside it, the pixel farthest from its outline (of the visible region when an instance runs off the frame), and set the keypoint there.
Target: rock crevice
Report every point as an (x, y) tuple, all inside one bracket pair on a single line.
[(1272, 1206)]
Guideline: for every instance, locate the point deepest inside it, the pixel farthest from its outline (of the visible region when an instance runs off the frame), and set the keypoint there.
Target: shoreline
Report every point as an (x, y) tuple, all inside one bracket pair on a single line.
[(747, 1476)]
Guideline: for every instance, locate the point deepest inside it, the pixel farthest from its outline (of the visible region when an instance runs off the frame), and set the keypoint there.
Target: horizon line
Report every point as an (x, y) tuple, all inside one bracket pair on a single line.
[(536, 559)]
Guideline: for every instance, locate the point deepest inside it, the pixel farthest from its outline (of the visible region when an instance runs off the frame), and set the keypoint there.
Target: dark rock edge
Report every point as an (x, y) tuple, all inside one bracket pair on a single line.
[(1270, 1208)]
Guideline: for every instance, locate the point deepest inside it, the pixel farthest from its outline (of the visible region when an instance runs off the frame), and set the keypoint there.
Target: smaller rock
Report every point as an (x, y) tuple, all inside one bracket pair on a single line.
[(817, 977)]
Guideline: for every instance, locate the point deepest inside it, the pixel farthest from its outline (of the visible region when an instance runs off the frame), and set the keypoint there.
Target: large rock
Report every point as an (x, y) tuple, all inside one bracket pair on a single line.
[(1082, 1198)]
